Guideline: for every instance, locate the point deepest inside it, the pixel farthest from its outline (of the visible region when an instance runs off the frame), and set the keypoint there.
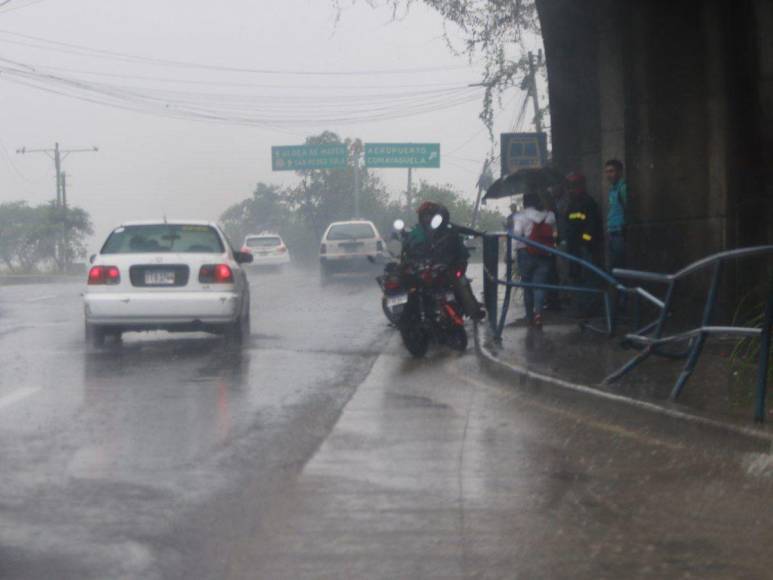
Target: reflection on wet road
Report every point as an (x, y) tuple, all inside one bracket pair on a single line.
[(322, 450)]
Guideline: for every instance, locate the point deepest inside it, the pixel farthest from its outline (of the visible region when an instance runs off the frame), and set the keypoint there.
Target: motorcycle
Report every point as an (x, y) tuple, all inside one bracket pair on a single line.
[(419, 298)]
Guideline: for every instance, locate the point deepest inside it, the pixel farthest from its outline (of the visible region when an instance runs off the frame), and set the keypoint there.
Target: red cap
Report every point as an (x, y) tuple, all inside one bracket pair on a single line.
[(575, 181)]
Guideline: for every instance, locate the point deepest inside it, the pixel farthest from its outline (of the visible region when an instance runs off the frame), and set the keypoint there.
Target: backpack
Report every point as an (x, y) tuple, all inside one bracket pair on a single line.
[(542, 233)]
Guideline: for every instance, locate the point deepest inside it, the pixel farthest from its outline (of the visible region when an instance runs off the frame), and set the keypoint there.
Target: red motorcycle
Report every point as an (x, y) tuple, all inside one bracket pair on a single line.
[(419, 298)]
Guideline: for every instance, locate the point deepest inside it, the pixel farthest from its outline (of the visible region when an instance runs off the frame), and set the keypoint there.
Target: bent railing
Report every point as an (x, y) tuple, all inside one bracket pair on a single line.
[(651, 336)]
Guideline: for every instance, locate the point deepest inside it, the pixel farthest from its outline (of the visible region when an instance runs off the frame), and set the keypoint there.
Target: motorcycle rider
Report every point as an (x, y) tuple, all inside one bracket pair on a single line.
[(443, 245)]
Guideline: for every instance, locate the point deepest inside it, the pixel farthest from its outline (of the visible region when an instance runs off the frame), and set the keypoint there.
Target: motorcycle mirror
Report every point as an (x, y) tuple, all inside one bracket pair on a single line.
[(436, 222), (398, 225)]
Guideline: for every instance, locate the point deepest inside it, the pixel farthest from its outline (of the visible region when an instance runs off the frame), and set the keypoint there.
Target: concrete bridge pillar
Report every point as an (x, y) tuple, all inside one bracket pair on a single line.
[(682, 92)]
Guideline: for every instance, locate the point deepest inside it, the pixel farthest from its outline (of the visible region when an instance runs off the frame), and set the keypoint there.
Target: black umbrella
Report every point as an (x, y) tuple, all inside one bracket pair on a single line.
[(534, 178)]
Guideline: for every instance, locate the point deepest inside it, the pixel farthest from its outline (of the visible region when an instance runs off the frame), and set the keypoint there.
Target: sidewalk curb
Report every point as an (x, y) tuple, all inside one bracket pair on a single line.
[(495, 366)]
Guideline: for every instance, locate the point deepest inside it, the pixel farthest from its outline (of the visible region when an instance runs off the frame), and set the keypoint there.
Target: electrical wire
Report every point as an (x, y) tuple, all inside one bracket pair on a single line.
[(19, 7), (241, 114), (80, 50)]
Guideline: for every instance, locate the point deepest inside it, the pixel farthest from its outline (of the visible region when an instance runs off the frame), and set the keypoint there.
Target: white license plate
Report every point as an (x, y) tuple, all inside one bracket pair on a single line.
[(159, 278), (397, 300)]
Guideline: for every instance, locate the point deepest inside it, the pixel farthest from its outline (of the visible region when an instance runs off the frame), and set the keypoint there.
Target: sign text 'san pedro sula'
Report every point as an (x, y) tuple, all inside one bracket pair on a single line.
[(300, 157), (402, 154)]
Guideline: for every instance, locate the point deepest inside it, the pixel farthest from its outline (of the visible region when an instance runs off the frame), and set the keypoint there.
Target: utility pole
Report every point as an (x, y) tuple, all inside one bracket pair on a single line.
[(533, 91), (357, 186), (409, 191), (64, 190), (58, 155)]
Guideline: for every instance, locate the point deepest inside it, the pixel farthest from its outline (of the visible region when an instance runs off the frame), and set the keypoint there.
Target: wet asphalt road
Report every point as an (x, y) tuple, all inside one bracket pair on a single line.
[(323, 451)]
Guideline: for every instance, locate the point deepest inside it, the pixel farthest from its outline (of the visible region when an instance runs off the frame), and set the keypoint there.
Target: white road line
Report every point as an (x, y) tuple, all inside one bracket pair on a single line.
[(16, 396), (41, 298)]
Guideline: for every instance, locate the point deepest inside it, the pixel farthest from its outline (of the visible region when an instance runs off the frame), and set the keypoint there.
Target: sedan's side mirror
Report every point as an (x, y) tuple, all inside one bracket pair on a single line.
[(92, 258), (243, 258)]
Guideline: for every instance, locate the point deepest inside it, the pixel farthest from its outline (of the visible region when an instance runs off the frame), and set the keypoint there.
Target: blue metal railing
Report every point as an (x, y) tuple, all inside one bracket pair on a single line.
[(696, 337), (651, 336), (491, 281)]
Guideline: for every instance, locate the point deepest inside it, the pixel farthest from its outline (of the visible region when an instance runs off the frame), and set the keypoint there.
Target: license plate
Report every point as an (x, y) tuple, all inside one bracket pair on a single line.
[(397, 300), (159, 278)]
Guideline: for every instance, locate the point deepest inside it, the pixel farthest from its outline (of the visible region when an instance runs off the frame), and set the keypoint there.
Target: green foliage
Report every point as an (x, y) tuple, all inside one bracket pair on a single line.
[(746, 354), (44, 236)]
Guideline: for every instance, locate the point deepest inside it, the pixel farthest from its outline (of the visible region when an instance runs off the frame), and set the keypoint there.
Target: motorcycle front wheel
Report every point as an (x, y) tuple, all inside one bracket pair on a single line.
[(457, 339), (416, 340)]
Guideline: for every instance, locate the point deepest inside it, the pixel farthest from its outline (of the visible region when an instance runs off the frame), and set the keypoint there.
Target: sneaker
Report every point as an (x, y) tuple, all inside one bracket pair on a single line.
[(537, 322)]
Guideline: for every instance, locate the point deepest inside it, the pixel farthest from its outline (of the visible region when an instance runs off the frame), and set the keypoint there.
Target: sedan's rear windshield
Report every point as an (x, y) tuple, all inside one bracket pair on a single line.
[(351, 231), (264, 242), (163, 238)]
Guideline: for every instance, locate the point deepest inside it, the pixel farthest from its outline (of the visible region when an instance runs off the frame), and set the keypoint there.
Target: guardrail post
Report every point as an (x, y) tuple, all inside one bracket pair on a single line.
[(700, 340), (508, 288), (490, 277), (762, 371)]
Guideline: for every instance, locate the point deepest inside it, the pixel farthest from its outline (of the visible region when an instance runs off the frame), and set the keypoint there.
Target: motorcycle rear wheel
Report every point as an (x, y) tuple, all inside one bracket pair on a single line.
[(416, 340)]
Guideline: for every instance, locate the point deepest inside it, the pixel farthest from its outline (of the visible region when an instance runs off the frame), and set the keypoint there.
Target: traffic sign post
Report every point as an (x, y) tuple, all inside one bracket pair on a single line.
[(405, 155), (522, 150), (305, 157)]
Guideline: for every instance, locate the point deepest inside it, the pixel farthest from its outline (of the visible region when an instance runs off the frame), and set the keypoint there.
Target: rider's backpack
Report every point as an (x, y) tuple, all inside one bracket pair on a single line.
[(542, 233)]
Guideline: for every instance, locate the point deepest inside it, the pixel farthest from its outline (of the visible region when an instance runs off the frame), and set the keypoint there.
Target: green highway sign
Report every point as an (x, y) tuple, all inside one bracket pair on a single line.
[(402, 155), (300, 157)]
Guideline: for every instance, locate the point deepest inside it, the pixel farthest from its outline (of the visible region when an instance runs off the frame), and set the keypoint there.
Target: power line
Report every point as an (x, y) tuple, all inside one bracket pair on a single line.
[(244, 112), (19, 7), (66, 47)]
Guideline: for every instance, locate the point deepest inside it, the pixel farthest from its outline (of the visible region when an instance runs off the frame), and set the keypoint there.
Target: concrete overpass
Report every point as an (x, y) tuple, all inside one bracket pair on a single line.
[(682, 92)]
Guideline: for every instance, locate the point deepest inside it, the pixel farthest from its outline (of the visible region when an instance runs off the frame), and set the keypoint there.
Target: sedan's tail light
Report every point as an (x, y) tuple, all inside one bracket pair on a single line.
[(323, 249), (282, 249), (246, 250), (216, 274), (100, 275)]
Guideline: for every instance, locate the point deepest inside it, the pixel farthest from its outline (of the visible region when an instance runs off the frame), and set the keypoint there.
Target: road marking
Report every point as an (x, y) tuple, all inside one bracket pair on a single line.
[(16, 396), (41, 298)]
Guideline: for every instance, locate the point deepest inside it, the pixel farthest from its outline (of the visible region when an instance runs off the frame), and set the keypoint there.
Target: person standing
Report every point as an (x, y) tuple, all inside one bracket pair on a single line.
[(583, 234), (537, 225), (616, 213)]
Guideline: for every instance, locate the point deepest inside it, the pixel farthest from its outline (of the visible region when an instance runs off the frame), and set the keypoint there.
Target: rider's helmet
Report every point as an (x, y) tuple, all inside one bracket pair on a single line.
[(430, 209)]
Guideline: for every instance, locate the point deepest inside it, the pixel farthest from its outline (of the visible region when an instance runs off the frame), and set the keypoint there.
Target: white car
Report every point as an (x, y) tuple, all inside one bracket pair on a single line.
[(167, 275), (348, 244), (266, 250)]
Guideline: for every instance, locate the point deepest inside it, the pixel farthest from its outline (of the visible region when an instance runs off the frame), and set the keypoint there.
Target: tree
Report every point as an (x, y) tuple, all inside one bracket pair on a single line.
[(31, 237), (17, 223), (266, 210)]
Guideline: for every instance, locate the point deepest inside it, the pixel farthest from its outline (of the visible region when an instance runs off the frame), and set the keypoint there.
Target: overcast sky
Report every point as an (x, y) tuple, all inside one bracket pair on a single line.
[(151, 165)]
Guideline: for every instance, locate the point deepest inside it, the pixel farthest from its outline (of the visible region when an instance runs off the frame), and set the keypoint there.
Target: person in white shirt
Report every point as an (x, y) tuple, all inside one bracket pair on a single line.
[(538, 225)]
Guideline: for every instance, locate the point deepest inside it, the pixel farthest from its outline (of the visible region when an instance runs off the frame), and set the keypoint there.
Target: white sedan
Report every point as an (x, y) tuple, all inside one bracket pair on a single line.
[(266, 250), (177, 276)]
